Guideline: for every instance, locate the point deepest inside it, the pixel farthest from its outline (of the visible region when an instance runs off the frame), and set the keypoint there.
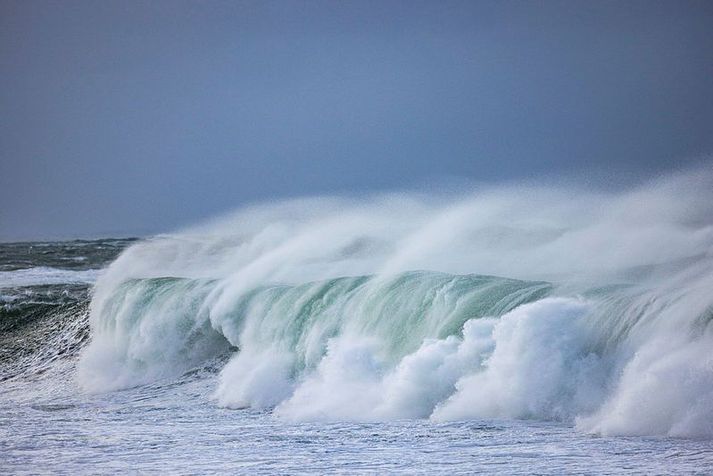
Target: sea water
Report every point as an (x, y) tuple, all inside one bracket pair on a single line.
[(515, 330)]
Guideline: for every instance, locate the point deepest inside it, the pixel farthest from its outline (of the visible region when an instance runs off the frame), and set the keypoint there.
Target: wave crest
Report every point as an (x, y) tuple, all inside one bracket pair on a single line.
[(603, 320)]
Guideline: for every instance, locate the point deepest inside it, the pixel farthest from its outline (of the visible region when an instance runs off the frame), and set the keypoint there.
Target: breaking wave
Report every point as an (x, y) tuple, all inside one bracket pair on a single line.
[(592, 308)]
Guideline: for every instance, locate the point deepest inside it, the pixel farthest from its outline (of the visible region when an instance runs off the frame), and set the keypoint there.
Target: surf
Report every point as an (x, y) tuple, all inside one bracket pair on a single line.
[(539, 302)]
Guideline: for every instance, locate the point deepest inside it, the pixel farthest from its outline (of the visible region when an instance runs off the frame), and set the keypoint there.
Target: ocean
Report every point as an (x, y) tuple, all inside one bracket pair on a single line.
[(519, 330)]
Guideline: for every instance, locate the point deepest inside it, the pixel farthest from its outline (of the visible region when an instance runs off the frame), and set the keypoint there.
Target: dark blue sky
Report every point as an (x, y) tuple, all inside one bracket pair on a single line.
[(124, 117)]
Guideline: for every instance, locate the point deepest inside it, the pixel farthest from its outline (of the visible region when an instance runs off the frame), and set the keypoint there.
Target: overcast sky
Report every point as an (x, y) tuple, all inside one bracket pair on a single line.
[(127, 118)]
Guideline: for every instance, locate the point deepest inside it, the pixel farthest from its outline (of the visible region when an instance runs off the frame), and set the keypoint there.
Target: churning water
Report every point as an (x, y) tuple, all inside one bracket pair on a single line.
[(518, 329)]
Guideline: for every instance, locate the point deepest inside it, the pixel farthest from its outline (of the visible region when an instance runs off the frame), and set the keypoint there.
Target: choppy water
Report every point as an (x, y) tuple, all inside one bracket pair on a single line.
[(517, 331), (177, 428)]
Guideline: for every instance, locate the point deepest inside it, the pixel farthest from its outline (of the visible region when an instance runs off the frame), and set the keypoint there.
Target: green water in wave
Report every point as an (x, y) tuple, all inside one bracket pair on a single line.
[(401, 310)]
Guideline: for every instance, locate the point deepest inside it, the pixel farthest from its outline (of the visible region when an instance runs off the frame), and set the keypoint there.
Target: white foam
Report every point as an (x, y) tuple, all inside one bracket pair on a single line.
[(540, 368), (45, 275)]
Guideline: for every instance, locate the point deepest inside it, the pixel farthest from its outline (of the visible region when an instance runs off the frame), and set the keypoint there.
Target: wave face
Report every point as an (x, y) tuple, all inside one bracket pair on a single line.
[(554, 303)]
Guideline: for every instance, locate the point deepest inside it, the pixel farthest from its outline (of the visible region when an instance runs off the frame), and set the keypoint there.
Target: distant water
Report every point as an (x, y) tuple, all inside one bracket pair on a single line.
[(517, 331)]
